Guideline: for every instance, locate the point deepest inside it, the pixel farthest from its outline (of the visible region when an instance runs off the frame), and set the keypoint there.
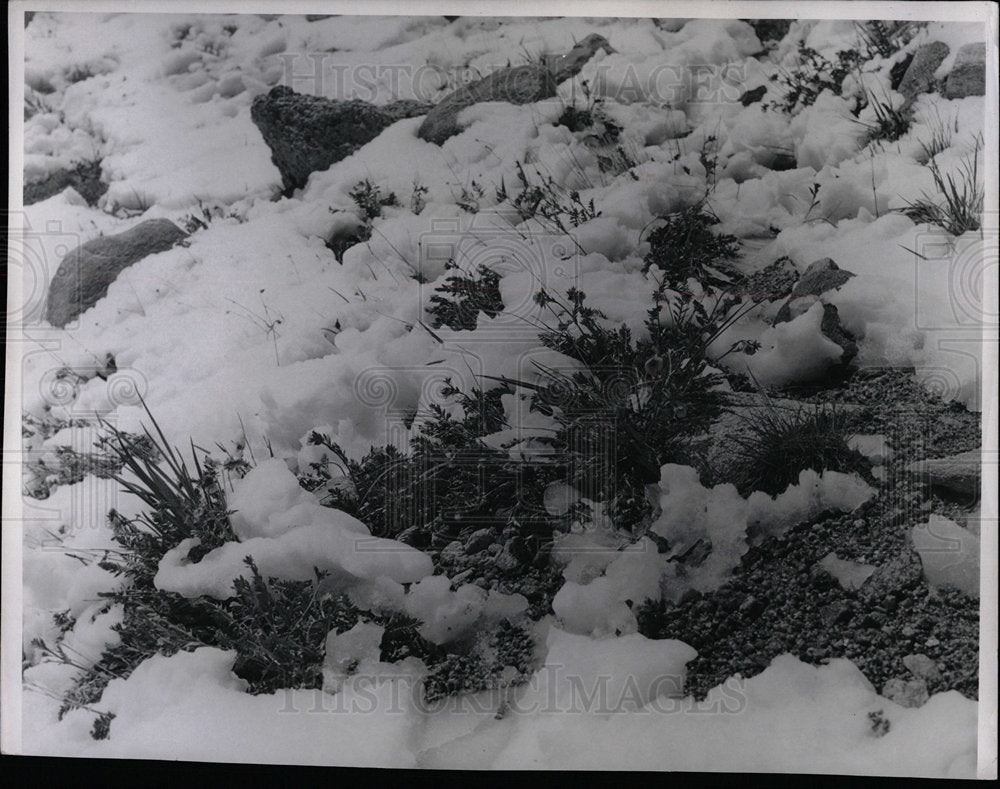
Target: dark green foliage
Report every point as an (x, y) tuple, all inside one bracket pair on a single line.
[(886, 37), (814, 74), (780, 443), (547, 201), (370, 200), (458, 302), (685, 246), (84, 177), (102, 726), (483, 667)]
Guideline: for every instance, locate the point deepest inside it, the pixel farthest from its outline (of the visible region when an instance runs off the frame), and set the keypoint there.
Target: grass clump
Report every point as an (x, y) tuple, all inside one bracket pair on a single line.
[(958, 206), (777, 444)]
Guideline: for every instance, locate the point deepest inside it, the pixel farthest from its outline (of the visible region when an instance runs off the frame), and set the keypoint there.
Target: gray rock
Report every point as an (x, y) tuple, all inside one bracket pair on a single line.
[(569, 65), (968, 75), (894, 578), (480, 540), (906, 692), (958, 473), (821, 277), (309, 133), (922, 667), (516, 85), (919, 76), (86, 272)]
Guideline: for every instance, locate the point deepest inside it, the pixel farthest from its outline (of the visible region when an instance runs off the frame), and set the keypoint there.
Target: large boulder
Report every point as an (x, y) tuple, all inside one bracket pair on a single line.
[(309, 133), (86, 272), (968, 75), (919, 76), (516, 85)]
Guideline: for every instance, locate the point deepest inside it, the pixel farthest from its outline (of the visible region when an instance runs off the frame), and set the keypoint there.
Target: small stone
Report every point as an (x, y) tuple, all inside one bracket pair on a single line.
[(906, 693), (922, 666), (480, 540), (753, 96), (751, 608), (932, 642)]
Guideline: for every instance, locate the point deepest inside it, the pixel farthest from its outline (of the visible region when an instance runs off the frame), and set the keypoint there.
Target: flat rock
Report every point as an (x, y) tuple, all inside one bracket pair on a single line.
[(309, 133), (569, 65), (894, 578), (516, 85), (86, 272), (958, 473), (919, 76), (922, 667), (968, 75), (820, 277)]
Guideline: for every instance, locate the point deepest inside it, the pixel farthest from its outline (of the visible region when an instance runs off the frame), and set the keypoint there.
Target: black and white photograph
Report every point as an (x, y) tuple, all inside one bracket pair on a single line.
[(543, 386)]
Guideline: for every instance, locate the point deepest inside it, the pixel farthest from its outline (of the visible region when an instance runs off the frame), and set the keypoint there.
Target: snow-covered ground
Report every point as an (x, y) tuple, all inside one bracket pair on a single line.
[(251, 334)]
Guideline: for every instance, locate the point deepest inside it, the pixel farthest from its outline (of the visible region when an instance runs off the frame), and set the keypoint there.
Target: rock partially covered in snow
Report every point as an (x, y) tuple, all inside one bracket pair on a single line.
[(309, 133), (949, 554), (906, 692), (919, 76), (850, 575), (86, 272), (894, 578), (820, 277), (968, 75), (518, 85), (567, 66), (959, 473)]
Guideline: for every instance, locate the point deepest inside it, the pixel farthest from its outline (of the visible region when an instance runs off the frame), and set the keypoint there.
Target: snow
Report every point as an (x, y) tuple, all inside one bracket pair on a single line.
[(692, 512), (252, 334), (192, 707), (949, 554)]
